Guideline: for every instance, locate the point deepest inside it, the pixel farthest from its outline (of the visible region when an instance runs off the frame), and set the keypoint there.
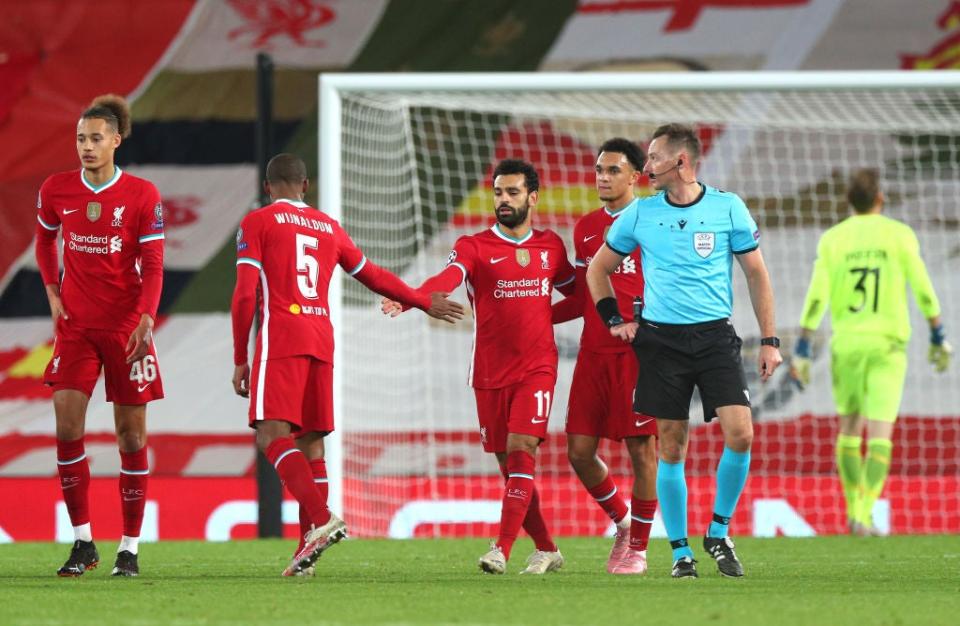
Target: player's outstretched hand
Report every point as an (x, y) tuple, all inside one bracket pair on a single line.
[(443, 309), (241, 380), (625, 332), (939, 355), (770, 360), (138, 345), (800, 371), (391, 307)]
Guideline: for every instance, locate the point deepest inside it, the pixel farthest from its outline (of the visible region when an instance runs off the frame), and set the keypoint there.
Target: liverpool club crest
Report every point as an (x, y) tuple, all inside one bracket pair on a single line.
[(93, 211), (523, 257)]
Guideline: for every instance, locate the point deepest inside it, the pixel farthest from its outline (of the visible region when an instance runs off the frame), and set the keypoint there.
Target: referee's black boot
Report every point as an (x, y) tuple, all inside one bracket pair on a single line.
[(722, 552), (684, 567)]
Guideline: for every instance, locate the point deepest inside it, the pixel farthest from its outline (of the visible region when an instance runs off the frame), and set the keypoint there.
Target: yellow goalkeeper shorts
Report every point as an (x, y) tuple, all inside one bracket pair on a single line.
[(868, 375)]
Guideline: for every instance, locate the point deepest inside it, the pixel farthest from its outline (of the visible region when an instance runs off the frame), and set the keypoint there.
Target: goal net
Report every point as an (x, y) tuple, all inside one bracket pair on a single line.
[(406, 164)]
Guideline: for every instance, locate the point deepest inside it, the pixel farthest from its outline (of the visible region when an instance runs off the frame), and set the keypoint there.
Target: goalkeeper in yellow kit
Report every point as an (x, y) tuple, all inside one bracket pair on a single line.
[(862, 267)]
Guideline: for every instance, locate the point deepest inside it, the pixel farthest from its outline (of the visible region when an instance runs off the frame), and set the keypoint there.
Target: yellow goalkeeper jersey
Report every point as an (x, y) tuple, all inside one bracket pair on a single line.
[(862, 267)]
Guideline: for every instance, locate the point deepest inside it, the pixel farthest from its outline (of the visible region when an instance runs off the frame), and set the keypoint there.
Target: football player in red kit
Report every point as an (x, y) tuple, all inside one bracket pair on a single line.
[(103, 311), (511, 270), (601, 393), (289, 250)]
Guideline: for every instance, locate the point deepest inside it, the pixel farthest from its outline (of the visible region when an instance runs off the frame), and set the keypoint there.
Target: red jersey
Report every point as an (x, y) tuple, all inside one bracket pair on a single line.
[(589, 234), (106, 232), (510, 283), (296, 249)]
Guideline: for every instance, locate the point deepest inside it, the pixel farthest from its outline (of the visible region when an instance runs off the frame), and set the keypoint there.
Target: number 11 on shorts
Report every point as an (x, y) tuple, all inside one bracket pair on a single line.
[(543, 406)]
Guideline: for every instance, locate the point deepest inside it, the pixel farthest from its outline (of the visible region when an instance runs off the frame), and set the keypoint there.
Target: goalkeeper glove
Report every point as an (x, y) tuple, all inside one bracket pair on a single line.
[(800, 363), (940, 350)]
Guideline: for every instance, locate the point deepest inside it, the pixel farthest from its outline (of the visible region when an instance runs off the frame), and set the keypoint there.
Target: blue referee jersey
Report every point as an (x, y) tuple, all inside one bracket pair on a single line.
[(687, 253)]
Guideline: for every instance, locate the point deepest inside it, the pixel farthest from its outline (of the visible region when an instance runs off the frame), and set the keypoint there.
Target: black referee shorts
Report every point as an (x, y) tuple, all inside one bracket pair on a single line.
[(675, 357)]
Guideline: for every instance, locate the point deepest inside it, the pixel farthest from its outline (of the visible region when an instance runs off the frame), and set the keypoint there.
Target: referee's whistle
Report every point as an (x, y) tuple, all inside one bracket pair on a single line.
[(637, 308)]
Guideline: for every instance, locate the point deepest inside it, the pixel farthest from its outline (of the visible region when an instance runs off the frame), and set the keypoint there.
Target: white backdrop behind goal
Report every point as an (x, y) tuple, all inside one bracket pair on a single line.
[(405, 165)]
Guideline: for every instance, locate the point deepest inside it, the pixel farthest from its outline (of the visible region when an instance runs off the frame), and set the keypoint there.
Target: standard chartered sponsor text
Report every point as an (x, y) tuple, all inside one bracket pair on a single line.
[(521, 288), (94, 244)]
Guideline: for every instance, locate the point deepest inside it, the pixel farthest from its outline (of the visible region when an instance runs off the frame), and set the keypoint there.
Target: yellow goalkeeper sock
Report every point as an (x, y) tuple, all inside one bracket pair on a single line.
[(849, 470), (875, 470)]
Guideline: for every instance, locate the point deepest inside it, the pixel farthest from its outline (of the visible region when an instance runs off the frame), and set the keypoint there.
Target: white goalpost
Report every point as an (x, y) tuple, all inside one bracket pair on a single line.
[(405, 161)]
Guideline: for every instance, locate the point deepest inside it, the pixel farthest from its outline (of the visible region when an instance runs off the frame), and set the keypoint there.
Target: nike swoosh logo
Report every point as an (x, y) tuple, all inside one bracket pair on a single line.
[(131, 499), (66, 212), (638, 423), (536, 421), (140, 388), (588, 238), (65, 487), (494, 261)]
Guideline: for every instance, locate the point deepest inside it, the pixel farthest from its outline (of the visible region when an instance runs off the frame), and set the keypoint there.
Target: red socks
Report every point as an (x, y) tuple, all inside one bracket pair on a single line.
[(319, 469), (133, 489), (536, 526), (641, 520), (608, 497), (296, 476), (74, 479), (516, 498), (534, 523)]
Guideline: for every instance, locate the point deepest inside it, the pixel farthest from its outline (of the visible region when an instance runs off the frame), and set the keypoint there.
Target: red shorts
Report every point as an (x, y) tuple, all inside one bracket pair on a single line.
[(294, 389), (523, 408), (601, 397), (79, 354)]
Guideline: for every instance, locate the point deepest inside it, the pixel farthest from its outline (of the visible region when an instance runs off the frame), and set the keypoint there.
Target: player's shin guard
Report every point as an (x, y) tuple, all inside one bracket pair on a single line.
[(641, 521), (731, 477), (516, 498), (609, 499), (849, 468), (672, 494), (875, 470), (295, 474), (319, 469), (75, 482), (133, 493)]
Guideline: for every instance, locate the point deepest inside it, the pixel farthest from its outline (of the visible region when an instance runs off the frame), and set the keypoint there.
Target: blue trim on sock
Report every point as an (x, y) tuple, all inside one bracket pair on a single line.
[(672, 495), (732, 474)]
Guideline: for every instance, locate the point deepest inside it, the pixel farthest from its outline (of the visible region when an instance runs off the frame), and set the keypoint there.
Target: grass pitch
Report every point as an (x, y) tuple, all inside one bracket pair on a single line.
[(829, 580)]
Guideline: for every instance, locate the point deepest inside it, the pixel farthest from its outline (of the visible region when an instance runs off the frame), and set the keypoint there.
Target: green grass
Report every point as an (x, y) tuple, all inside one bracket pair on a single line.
[(829, 580)]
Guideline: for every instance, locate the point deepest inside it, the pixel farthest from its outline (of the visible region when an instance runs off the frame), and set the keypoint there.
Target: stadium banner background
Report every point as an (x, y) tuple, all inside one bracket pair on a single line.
[(189, 65), (221, 509), (202, 487)]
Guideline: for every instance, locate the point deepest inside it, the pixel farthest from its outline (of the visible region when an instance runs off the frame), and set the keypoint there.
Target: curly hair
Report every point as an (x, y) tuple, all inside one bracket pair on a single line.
[(114, 110)]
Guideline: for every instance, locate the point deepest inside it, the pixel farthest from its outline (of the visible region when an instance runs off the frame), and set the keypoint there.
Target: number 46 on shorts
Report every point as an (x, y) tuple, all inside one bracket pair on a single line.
[(144, 371)]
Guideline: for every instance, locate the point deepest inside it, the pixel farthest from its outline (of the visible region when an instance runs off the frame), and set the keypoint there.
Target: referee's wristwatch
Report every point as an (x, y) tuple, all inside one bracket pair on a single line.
[(616, 320), (770, 341)]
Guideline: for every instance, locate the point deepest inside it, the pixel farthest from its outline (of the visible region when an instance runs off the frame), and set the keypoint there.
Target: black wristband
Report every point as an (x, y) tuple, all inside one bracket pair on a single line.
[(770, 341), (609, 311)]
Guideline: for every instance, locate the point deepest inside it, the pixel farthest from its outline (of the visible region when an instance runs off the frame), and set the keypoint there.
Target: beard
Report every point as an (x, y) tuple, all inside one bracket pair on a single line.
[(515, 217)]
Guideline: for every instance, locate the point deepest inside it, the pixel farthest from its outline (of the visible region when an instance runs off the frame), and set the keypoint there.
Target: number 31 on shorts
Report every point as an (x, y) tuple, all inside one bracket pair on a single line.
[(144, 370)]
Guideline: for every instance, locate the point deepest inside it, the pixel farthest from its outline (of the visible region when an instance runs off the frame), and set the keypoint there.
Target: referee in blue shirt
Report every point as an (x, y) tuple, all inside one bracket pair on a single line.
[(688, 235)]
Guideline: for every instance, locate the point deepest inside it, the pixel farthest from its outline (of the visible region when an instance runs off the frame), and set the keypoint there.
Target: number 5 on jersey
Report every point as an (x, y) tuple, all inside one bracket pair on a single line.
[(307, 266)]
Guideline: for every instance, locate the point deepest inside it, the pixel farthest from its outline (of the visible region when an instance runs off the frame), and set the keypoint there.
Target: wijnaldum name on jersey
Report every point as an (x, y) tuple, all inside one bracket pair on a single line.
[(306, 222)]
